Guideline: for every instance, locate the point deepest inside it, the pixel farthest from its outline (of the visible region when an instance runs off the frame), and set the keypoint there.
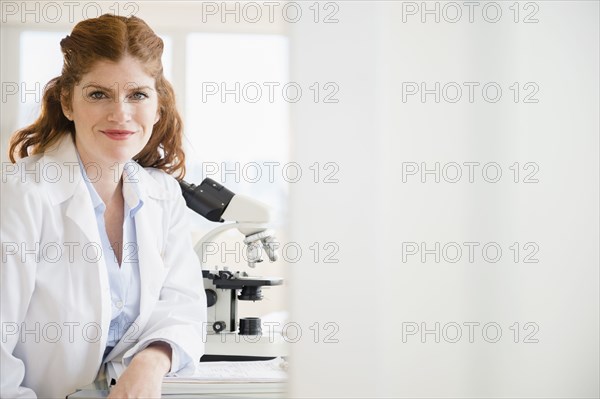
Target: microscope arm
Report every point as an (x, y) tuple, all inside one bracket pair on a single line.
[(217, 203)]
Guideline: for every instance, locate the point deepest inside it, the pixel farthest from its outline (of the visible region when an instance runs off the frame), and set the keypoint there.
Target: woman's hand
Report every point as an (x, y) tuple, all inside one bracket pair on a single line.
[(143, 377)]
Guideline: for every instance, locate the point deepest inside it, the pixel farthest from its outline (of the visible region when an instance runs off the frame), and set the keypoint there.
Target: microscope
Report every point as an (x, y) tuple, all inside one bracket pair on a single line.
[(228, 336)]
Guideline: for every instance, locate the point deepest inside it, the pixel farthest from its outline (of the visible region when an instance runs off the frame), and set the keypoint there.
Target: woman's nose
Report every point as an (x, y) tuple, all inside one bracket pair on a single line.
[(120, 111)]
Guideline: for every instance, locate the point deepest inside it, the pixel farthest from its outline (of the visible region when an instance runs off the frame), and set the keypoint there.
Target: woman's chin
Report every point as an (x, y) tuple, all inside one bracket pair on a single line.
[(122, 156)]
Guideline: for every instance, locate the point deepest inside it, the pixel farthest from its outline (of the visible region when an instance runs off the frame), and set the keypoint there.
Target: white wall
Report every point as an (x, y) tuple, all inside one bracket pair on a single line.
[(371, 294)]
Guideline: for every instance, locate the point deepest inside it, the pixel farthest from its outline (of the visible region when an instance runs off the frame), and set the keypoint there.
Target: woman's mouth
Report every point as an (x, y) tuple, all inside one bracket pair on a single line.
[(117, 134)]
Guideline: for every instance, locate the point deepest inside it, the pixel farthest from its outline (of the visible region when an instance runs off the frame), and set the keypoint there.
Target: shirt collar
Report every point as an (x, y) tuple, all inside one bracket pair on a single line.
[(96, 200), (131, 189)]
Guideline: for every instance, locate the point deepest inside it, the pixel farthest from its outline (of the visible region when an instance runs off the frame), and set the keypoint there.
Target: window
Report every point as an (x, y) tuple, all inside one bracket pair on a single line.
[(40, 61), (237, 121)]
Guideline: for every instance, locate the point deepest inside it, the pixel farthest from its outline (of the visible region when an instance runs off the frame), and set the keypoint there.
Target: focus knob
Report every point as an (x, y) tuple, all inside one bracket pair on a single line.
[(211, 297), (218, 326)]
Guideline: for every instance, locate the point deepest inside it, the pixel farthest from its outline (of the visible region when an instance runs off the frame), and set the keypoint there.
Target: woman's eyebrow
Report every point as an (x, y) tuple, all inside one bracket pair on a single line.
[(128, 86), (133, 86), (97, 86)]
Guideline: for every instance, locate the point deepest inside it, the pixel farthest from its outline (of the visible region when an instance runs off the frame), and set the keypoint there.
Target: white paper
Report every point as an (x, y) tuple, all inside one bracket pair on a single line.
[(252, 371)]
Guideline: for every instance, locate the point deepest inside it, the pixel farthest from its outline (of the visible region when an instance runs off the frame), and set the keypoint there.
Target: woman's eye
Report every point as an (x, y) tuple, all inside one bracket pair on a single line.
[(140, 95), (96, 95)]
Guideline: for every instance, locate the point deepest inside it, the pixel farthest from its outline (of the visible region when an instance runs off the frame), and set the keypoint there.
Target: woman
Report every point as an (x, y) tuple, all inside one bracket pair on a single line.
[(98, 262)]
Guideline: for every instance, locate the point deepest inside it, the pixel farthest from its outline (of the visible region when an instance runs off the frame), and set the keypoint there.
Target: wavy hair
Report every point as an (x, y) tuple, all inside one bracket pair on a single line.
[(108, 38)]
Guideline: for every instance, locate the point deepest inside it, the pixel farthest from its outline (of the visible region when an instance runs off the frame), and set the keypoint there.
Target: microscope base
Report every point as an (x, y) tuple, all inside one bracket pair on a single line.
[(233, 344)]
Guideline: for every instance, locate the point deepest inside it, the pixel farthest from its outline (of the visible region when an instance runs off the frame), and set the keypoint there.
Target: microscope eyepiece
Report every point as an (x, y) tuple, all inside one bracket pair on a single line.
[(209, 199)]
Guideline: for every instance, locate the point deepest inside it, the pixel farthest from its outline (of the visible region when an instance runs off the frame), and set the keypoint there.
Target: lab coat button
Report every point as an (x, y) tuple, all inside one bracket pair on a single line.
[(119, 304)]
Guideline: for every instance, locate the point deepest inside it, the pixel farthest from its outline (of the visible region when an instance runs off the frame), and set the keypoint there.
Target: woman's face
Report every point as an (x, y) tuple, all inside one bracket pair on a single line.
[(114, 108)]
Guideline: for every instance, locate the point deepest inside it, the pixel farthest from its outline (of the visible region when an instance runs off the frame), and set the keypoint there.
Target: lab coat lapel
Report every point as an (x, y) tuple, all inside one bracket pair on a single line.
[(150, 230), (70, 188), (81, 211)]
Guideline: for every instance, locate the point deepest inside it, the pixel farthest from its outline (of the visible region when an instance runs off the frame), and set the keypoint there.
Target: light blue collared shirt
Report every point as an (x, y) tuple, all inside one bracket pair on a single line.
[(124, 280), (125, 286)]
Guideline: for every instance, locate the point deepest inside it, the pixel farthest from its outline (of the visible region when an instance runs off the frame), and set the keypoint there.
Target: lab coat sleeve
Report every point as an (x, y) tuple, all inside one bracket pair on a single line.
[(20, 232), (179, 317)]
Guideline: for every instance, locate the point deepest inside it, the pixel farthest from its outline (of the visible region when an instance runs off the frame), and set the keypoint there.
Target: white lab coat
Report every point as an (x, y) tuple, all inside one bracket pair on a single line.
[(56, 310)]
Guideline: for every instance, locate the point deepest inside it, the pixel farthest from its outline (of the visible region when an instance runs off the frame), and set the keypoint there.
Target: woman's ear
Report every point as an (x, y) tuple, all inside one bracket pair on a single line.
[(65, 108), (157, 118)]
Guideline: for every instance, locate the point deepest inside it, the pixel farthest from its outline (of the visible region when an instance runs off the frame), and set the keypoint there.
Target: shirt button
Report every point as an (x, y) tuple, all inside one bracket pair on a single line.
[(119, 304)]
